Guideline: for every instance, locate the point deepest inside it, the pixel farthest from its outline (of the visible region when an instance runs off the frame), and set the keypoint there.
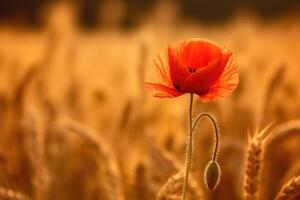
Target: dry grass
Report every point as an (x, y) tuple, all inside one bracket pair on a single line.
[(76, 122)]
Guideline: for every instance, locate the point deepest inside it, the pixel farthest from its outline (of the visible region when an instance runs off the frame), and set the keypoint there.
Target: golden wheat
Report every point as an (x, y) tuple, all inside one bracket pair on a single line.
[(141, 182), (290, 190), (124, 145), (108, 172), (254, 163), (172, 189), (253, 167), (12, 194), (284, 130)]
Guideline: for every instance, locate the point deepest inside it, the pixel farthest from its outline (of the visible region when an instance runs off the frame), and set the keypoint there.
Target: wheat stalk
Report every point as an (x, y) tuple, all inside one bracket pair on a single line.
[(289, 190), (172, 189), (254, 164), (23, 84), (141, 181), (253, 167), (141, 67), (108, 169), (282, 131), (38, 155), (272, 80), (168, 166)]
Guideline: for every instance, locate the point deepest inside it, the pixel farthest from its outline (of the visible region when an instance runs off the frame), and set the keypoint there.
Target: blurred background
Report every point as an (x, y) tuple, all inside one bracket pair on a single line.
[(77, 123)]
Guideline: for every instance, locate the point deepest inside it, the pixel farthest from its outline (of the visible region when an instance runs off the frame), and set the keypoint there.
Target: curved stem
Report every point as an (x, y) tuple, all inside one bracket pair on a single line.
[(189, 149), (216, 131)]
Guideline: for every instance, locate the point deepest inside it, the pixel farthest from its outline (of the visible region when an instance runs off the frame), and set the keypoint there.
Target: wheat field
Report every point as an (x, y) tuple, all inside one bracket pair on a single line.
[(77, 123)]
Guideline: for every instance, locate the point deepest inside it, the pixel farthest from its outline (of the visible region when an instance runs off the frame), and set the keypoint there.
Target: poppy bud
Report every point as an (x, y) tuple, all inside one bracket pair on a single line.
[(212, 175)]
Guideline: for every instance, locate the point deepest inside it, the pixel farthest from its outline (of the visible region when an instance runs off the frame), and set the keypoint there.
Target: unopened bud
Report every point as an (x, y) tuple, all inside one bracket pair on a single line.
[(212, 175)]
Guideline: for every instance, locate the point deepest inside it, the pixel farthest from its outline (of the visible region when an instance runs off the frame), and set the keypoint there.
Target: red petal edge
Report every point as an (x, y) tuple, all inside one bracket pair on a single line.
[(162, 91), (226, 84)]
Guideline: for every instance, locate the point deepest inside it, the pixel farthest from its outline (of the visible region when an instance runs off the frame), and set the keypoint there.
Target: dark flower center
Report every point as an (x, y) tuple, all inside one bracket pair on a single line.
[(177, 87), (191, 70)]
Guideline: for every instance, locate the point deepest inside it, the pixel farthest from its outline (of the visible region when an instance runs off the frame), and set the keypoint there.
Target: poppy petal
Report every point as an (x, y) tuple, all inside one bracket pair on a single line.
[(178, 71), (206, 51), (160, 66), (201, 81), (225, 84), (158, 71), (163, 91)]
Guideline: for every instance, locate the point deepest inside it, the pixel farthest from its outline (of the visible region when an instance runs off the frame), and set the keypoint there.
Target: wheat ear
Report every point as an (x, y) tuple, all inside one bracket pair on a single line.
[(108, 169), (172, 189), (290, 190), (253, 165)]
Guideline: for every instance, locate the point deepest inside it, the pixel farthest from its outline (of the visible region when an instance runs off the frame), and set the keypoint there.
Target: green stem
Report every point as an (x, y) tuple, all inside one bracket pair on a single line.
[(189, 149)]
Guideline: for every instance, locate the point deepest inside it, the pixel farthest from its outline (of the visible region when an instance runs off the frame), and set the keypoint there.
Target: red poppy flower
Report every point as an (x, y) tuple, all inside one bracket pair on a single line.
[(193, 66)]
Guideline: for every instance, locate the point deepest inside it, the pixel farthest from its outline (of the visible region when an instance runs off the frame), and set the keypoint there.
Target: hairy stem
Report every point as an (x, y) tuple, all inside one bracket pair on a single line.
[(209, 116), (189, 150)]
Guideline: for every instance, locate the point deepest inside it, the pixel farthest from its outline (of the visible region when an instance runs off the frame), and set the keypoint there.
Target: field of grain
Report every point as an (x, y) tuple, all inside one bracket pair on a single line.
[(77, 123)]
